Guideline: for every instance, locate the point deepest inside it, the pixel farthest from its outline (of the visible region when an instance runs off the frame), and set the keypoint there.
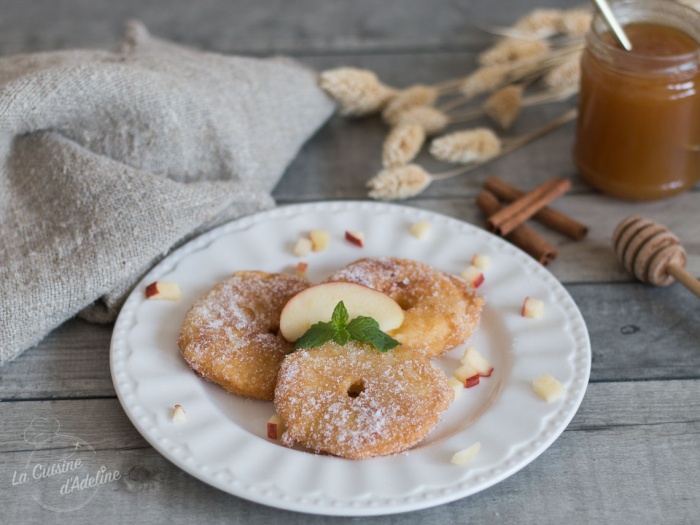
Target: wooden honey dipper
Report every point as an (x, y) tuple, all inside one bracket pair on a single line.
[(652, 253)]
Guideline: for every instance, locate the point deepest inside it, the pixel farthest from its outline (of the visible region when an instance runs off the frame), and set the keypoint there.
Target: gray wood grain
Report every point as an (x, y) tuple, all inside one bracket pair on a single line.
[(650, 426), (262, 27)]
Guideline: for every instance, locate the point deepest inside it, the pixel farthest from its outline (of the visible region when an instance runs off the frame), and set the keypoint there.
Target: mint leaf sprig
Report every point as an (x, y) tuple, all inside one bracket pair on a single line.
[(339, 330)]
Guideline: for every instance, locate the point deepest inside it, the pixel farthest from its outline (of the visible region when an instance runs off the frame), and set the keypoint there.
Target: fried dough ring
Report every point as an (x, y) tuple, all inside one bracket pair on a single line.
[(355, 402), (441, 311), (231, 335)]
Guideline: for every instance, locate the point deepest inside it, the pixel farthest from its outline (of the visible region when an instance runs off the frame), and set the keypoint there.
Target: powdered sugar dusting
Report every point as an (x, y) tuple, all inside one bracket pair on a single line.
[(401, 397), (230, 336)]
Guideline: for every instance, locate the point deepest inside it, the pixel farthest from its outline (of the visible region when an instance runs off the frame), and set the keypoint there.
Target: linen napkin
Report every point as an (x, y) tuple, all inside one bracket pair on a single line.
[(109, 159)]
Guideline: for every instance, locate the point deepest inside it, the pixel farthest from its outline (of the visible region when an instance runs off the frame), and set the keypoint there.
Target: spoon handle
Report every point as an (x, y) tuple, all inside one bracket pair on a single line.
[(606, 12)]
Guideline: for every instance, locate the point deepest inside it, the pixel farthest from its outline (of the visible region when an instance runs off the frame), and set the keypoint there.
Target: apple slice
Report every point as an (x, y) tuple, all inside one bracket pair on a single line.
[(468, 375), (356, 238), (548, 388), (319, 240), (473, 275), (533, 308), (474, 359), (275, 427), (163, 290), (316, 303), (465, 456)]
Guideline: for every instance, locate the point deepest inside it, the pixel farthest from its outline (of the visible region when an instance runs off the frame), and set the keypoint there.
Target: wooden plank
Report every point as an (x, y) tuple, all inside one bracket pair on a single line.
[(653, 426), (640, 332), (72, 361), (272, 26)]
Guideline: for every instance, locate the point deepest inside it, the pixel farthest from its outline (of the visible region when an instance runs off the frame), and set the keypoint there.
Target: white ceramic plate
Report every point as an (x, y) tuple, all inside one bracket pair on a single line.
[(224, 443)]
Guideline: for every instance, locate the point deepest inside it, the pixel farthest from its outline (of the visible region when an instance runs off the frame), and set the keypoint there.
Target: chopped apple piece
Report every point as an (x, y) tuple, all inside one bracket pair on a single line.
[(275, 427), (456, 385), (468, 375), (474, 359), (179, 414), (164, 290), (301, 268), (465, 456), (303, 247), (473, 275), (481, 261), (421, 229), (356, 238), (548, 388), (532, 308), (319, 240), (317, 303)]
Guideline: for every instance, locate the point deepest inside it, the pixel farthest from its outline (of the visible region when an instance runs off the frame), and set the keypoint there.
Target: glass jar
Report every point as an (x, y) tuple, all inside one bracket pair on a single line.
[(638, 130)]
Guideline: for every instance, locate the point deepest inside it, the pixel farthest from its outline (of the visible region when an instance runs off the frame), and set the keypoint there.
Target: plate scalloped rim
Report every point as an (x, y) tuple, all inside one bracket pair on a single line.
[(153, 423)]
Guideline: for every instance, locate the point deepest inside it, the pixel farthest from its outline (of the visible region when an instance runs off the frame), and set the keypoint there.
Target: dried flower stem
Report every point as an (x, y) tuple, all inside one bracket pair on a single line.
[(447, 85), (511, 145), (543, 97), (524, 71)]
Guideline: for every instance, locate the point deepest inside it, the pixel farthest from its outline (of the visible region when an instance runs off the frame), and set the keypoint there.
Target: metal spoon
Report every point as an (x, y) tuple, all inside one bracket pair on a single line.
[(604, 9)]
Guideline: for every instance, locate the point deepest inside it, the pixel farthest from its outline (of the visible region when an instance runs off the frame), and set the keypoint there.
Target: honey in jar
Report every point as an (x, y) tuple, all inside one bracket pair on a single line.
[(638, 131)]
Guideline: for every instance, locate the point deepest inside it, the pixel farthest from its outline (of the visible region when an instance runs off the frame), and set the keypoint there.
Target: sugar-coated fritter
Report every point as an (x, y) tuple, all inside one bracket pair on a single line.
[(231, 335), (356, 402)]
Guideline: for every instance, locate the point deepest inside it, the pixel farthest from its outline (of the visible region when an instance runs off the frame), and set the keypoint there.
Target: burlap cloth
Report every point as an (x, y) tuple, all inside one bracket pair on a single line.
[(108, 160)]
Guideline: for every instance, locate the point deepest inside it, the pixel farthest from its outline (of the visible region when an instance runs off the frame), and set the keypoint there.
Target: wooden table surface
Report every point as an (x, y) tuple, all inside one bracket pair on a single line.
[(631, 453)]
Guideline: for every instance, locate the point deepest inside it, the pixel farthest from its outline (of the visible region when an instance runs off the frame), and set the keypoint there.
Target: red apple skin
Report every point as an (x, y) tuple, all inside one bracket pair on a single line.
[(477, 282), (354, 239), (152, 289), (471, 381), (291, 332), (272, 431), (489, 374), (523, 312)]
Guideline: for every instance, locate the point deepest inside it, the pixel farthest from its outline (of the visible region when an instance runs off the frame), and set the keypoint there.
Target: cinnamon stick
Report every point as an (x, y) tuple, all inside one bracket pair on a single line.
[(517, 212), (523, 236), (547, 216)]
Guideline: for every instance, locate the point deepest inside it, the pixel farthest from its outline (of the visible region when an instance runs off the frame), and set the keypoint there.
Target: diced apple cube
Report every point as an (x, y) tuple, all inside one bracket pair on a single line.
[(473, 275), (163, 290), (474, 359), (456, 385), (275, 427), (319, 240), (301, 268), (533, 308), (548, 388), (465, 456), (303, 247), (179, 414), (356, 238), (421, 229), (481, 261), (468, 375)]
